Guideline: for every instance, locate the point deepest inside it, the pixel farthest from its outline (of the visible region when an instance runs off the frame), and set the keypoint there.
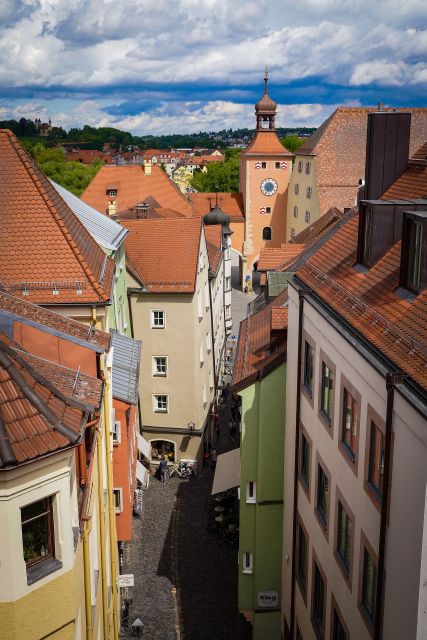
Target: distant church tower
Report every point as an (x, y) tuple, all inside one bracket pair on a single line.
[(265, 169)]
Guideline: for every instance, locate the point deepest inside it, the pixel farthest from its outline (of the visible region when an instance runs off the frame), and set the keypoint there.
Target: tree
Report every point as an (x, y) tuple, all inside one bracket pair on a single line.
[(220, 176), (292, 142)]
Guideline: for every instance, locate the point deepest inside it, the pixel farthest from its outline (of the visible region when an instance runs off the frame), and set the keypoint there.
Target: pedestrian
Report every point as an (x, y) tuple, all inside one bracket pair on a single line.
[(163, 469), (214, 457)]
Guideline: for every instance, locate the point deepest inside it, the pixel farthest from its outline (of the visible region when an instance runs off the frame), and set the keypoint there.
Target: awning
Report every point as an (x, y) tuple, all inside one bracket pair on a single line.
[(144, 446), (142, 474), (227, 472)]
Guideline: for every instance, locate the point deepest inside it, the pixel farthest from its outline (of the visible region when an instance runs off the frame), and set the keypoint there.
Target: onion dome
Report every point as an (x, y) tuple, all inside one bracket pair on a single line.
[(266, 104), (216, 216)]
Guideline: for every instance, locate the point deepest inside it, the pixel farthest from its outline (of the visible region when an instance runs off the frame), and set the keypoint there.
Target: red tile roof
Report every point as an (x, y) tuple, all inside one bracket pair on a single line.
[(163, 254), (339, 145), (318, 227), (396, 326), (87, 156), (413, 183), (213, 235), (47, 320), (44, 245), (35, 418), (134, 186), (272, 259), (279, 318), (256, 350), (229, 203), (266, 143)]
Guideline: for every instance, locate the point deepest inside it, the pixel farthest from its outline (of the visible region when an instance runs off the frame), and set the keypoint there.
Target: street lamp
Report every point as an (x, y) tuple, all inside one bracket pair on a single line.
[(191, 427)]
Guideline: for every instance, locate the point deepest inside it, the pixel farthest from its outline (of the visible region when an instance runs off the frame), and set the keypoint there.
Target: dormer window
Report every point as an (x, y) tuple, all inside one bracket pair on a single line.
[(414, 251), (112, 193)]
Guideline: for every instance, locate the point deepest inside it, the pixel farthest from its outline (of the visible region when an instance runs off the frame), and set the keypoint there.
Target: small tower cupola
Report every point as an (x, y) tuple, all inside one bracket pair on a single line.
[(265, 109)]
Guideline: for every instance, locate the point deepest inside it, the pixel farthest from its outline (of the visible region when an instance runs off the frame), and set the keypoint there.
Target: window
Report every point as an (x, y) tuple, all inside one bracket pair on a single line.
[(117, 431), (37, 531), (322, 497), (160, 366), (338, 630), (300, 167), (295, 212), (118, 503), (327, 393), (415, 253), (308, 368), (208, 342), (228, 312), (344, 534), (158, 319), (160, 403), (277, 165), (266, 233), (292, 232), (302, 559), (251, 492), (263, 165), (376, 459), (228, 253), (228, 283), (369, 585), (247, 562), (349, 433), (318, 602), (112, 193), (268, 210), (307, 216), (305, 462), (296, 189), (308, 168)]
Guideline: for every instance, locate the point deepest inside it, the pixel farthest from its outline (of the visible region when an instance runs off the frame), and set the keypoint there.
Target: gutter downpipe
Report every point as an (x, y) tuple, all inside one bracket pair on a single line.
[(86, 569), (111, 509), (392, 378), (301, 294), (101, 509)]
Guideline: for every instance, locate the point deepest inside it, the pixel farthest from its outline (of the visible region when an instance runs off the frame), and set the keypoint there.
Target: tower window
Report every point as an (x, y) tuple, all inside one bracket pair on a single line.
[(267, 209), (307, 216), (292, 232), (266, 233), (295, 212), (263, 165), (309, 192), (308, 168), (300, 167), (277, 165), (296, 189)]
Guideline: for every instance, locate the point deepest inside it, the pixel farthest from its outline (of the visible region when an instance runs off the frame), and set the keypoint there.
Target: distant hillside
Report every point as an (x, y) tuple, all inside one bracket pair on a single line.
[(94, 138)]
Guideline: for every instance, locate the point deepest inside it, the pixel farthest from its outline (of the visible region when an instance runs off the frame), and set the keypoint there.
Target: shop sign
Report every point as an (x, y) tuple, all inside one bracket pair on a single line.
[(126, 580), (268, 599)]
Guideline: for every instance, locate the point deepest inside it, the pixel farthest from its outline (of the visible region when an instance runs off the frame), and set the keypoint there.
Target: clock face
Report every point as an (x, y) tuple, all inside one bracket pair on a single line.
[(269, 187)]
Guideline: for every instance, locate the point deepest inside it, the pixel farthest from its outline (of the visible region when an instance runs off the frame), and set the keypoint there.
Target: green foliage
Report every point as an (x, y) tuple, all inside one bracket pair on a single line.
[(292, 142), (220, 176), (74, 176)]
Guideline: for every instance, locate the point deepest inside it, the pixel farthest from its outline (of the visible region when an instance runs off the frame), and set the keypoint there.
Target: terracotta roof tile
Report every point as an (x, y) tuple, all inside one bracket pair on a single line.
[(134, 186), (44, 245), (368, 301), (266, 143), (279, 318), (164, 253), (271, 259), (339, 146), (229, 203), (213, 235), (411, 185)]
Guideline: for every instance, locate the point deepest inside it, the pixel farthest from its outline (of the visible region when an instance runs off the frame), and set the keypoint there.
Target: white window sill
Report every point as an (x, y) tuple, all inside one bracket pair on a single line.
[(160, 410), (247, 572), (250, 500)]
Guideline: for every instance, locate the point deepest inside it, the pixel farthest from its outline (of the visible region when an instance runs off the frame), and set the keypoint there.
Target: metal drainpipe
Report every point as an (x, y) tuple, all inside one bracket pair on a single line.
[(391, 379), (101, 509), (86, 572), (301, 295), (111, 508)]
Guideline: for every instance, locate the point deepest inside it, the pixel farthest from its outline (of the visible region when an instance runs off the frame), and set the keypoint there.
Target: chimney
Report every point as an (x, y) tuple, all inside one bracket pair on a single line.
[(111, 207), (387, 150), (147, 167)]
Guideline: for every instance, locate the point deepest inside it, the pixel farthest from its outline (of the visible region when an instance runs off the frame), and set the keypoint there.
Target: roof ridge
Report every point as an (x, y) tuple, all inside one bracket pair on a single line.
[(24, 158)]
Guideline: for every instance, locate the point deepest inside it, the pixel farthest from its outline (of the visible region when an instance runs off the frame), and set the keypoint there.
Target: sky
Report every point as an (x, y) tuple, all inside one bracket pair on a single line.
[(178, 66)]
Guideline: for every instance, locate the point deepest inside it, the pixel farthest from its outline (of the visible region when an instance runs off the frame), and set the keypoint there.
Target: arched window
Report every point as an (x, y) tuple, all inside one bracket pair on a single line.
[(266, 233), (295, 212), (307, 168), (292, 233), (300, 167), (307, 216), (296, 189), (309, 192)]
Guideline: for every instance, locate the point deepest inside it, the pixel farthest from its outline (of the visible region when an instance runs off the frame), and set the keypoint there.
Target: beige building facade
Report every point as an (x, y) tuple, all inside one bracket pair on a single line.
[(303, 202)]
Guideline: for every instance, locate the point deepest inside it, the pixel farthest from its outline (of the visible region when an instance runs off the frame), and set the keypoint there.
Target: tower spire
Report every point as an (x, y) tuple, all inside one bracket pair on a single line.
[(266, 79), (265, 109)]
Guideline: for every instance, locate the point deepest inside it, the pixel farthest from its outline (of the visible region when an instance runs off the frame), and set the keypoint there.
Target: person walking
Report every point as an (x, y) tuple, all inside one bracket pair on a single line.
[(163, 469)]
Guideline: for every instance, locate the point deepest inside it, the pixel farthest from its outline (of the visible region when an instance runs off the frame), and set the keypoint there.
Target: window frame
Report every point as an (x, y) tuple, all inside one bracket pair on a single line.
[(323, 519), (302, 587), (263, 165), (308, 168), (296, 189), (319, 631), (300, 166), (155, 371), (350, 456), (117, 432), (247, 562), (326, 419), (152, 318), (250, 499), (49, 512), (306, 485), (336, 610), (156, 404), (118, 491), (269, 232), (308, 392), (277, 165), (373, 417), (295, 211), (365, 546), (347, 572)]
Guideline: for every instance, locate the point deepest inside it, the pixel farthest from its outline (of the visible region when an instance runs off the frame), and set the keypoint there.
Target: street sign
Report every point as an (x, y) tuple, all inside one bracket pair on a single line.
[(268, 599), (233, 337), (247, 277), (126, 580)]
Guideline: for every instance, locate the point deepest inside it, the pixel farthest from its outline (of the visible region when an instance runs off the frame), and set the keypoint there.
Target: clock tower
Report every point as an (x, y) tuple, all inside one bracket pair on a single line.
[(265, 169)]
